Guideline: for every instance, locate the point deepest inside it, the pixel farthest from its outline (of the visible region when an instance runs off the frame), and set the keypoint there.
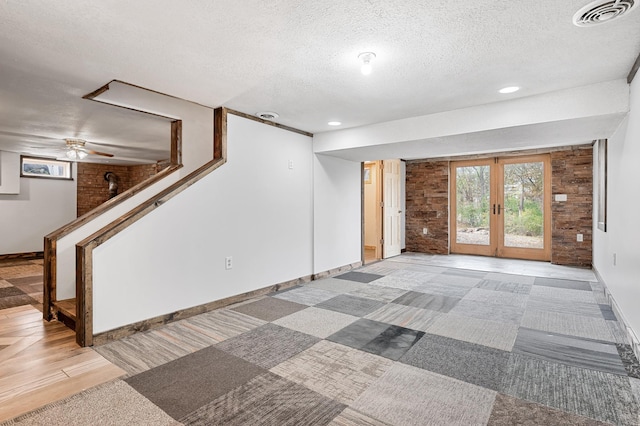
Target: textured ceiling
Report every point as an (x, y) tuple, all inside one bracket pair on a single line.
[(296, 58)]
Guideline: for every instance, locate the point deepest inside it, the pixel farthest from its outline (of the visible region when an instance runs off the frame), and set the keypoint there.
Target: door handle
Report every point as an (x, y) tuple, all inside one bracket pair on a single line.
[(498, 208), (494, 209)]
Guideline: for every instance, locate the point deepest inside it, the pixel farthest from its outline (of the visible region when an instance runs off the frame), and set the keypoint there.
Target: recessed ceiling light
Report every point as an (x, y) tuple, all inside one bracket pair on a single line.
[(509, 89), (267, 115), (334, 123)]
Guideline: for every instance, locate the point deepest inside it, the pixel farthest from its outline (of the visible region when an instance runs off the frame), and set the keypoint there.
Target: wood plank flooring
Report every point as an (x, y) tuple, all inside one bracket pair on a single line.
[(40, 362)]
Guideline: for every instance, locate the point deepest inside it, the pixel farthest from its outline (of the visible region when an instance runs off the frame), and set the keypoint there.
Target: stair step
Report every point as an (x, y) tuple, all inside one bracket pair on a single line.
[(65, 311)]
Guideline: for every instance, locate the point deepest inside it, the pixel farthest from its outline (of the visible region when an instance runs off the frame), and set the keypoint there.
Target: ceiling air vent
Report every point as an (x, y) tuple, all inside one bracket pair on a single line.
[(267, 115), (600, 12)]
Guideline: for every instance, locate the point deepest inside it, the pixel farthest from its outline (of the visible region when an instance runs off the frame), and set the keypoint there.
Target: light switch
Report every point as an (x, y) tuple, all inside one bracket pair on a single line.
[(561, 197)]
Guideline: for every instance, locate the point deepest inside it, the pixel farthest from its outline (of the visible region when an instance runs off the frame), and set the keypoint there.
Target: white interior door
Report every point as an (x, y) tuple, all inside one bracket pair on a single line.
[(392, 211)]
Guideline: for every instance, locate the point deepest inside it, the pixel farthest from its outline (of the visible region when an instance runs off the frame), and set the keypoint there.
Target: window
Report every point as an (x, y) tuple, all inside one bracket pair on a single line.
[(44, 168)]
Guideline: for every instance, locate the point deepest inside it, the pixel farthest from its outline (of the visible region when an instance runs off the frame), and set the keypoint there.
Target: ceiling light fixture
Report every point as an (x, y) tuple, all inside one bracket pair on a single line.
[(267, 115), (334, 123), (366, 58), (509, 89)]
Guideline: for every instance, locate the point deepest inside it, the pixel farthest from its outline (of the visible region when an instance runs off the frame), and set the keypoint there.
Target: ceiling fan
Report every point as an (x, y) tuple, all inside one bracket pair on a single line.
[(77, 151)]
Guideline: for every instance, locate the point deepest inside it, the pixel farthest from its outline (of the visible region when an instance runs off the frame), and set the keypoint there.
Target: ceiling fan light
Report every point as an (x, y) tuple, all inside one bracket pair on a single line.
[(82, 154), (72, 154)]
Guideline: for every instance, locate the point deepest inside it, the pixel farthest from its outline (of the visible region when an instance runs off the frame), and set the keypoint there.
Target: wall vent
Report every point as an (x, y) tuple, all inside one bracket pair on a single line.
[(600, 12)]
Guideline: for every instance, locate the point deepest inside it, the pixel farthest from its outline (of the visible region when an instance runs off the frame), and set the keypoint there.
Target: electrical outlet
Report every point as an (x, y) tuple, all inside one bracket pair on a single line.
[(425, 231), (580, 238), (615, 259), (290, 164), (228, 262)]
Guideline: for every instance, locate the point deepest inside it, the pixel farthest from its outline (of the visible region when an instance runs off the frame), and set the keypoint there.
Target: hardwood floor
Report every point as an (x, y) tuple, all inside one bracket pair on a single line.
[(41, 363)]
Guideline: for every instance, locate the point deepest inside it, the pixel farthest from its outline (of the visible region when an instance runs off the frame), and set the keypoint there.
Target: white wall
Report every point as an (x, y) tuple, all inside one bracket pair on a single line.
[(9, 173), (337, 213), (623, 219), (42, 206), (254, 208)]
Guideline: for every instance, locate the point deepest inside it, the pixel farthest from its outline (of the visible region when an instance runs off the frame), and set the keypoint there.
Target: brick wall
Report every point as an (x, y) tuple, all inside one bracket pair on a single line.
[(427, 186), (572, 174), (93, 190)]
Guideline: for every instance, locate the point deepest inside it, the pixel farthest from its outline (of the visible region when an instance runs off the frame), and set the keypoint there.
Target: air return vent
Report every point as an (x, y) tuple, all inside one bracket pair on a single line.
[(267, 115), (600, 12)]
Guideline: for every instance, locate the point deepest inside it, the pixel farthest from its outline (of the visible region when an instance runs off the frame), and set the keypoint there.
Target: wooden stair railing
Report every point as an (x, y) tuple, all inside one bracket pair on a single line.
[(50, 240), (84, 249)]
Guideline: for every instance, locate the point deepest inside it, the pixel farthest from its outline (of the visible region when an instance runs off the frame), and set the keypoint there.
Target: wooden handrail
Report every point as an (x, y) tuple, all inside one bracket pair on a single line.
[(50, 240), (84, 249)]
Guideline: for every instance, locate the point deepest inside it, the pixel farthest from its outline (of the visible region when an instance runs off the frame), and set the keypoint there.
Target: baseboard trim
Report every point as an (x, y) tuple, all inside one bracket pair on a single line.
[(22, 256), (151, 323), (632, 338), (338, 270)]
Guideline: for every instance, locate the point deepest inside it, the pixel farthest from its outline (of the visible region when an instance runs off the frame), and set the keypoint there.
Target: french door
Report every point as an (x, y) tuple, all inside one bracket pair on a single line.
[(502, 207)]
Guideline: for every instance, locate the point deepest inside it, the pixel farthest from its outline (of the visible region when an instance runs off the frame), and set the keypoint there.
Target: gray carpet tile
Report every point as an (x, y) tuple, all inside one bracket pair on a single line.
[(594, 394), (397, 282), (141, 352), (182, 334), (377, 268), (497, 297), (360, 277), (617, 331), (405, 395), (222, 324), (334, 370), (351, 417), (269, 308), (418, 276), (267, 399), (336, 285), (351, 305), (488, 311), (114, 403), (549, 304), (471, 363), (572, 325), (382, 294), (457, 280), (594, 355), (316, 322), (434, 302), (186, 384), (425, 268), (306, 295), (565, 294), (635, 387), (404, 316), (449, 290), (508, 411), (607, 312), (465, 273), (510, 278), (268, 345), (393, 343), (558, 283), (496, 285), (628, 357), (359, 333), (498, 335)]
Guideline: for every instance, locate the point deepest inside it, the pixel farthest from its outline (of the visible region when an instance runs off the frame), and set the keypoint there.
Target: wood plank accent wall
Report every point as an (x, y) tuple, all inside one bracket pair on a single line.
[(572, 174), (427, 206)]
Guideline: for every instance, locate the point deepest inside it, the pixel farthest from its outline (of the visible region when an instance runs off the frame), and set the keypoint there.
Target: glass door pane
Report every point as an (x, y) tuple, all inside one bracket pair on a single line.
[(473, 191), (523, 207)]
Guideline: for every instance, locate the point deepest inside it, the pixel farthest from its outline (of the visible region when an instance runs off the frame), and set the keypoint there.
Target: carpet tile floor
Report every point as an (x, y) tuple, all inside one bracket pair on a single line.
[(412, 340)]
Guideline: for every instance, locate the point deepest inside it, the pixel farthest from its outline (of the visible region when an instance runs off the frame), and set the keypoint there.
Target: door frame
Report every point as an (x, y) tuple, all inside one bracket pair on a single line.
[(496, 245), (379, 209)]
